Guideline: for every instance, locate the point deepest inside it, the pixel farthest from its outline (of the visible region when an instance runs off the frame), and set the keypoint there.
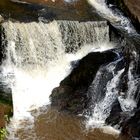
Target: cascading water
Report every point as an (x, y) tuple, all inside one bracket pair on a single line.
[(129, 103), (116, 19), (103, 105), (30, 60), (37, 58), (75, 35), (105, 90)]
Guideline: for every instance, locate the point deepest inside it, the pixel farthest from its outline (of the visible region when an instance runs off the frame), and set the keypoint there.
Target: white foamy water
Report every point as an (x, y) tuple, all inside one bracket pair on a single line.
[(117, 19), (102, 109), (37, 63), (37, 60), (129, 103)]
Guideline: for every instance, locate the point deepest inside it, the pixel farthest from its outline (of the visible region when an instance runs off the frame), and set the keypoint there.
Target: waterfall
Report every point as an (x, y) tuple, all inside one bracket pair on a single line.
[(104, 92), (75, 35), (37, 58), (129, 102), (116, 18)]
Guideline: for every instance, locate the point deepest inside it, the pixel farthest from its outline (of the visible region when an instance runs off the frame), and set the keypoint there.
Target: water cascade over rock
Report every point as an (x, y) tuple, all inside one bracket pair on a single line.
[(72, 66), (38, 52)]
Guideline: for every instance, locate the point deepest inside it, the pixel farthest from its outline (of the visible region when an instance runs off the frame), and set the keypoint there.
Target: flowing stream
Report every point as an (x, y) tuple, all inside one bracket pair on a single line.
[(38, 57), (115, 18)]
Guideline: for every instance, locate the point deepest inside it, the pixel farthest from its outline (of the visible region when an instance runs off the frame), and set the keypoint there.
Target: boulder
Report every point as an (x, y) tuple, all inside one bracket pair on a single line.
[(72, 95), (131, 127), (6, 111), (128, 121), (47, 10), (5, 94), (115, 116)]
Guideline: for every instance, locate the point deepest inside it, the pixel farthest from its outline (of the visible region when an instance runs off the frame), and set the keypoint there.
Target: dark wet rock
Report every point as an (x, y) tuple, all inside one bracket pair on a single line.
[(5, 93), (128, 121), (115, 116), (6, 106), (6, 96), (46, 10), (83, 74), (2, 45), (72, 95), (131, 127)]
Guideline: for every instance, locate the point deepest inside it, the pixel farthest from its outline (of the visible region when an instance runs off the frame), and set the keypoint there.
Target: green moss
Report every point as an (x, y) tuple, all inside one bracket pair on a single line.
[(3, 133), (3, 130), (5, 102)]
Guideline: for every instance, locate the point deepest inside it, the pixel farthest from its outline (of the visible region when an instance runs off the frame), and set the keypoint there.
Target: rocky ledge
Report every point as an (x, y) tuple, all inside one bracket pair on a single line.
[(72, 95)]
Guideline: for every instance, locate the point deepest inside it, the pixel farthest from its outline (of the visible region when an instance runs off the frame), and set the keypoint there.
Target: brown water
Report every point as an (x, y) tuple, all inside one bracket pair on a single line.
[(53, 125)]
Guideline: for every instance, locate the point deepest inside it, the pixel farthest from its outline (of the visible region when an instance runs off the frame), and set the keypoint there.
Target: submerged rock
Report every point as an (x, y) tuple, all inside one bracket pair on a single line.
[(71, 95), (5, 94)]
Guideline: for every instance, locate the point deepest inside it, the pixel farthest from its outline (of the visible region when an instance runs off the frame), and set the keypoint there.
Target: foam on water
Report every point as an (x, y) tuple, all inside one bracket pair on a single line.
[(36, 57), (102, 109), (117, 19)]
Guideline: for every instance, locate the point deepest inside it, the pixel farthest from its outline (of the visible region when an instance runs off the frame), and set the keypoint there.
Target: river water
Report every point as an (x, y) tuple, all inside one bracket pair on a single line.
[(54, 125)]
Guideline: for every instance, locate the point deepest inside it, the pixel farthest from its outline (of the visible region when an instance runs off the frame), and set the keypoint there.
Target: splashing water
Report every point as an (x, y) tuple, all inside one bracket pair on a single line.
[(129, 103), (117, 19), (102, 108), (37, 60)]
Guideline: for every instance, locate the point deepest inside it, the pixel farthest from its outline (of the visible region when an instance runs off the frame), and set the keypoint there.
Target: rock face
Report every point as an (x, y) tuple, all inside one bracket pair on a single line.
[(130, 8), (6, 104), (131, 127), (6, 111), (71, 95), (134, 8), (46, 9), (6, 107)]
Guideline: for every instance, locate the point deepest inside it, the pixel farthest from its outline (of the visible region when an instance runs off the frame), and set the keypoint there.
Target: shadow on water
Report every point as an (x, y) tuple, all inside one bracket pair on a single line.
[(33, 10)]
